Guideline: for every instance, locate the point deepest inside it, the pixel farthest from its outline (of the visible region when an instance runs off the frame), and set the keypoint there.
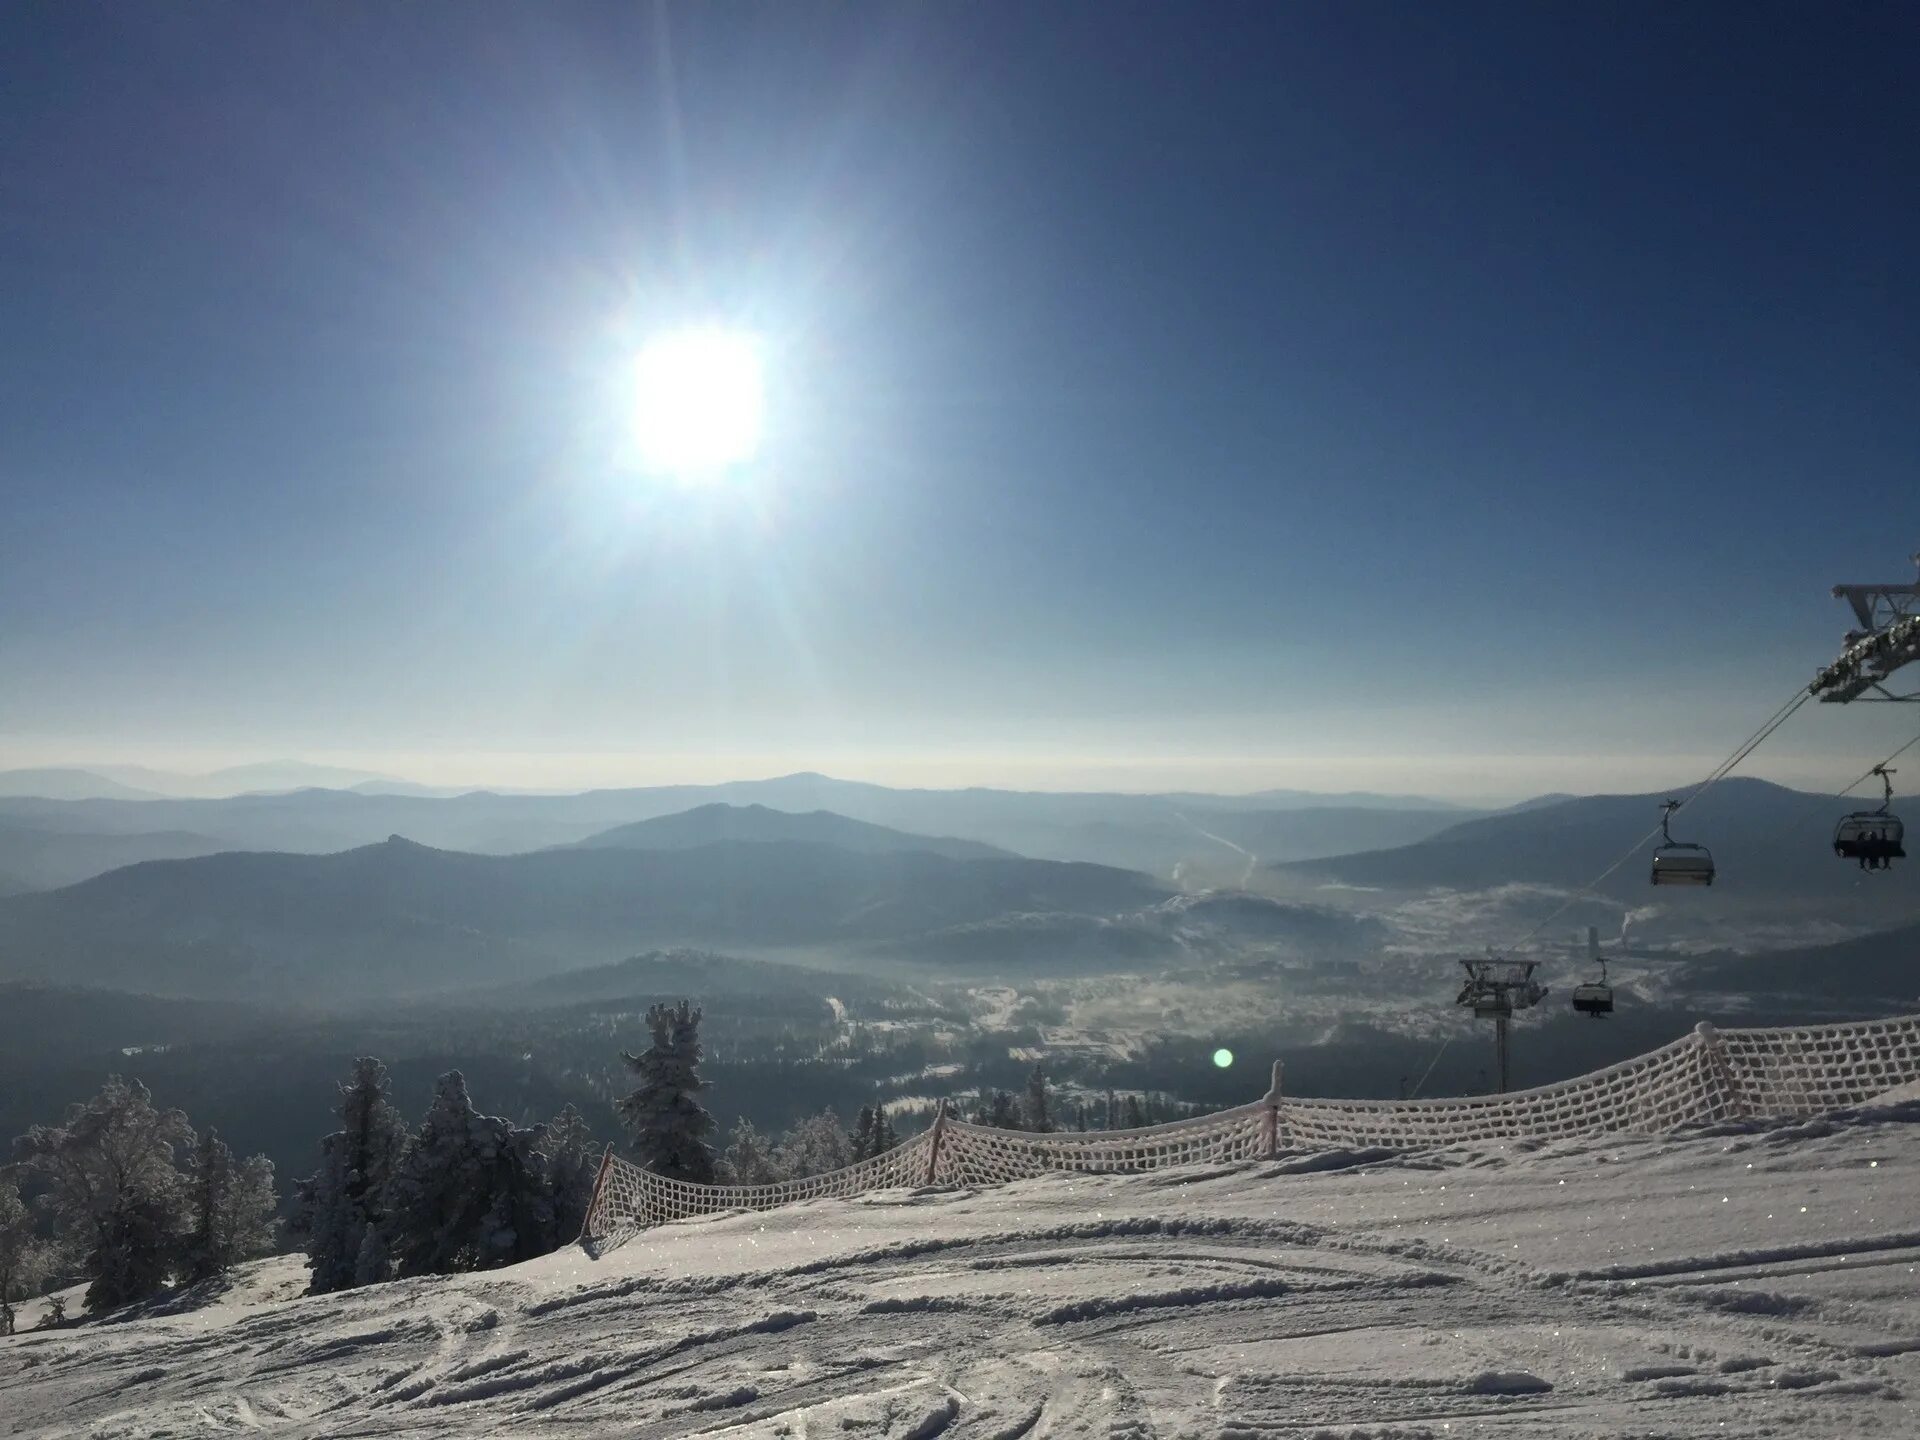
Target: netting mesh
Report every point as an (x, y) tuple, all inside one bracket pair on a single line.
[(1801, 1070), (979, 1155), (1709, 1075)]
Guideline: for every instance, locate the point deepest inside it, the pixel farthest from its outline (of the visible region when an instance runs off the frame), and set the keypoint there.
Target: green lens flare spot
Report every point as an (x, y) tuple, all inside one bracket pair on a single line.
[(1223, 1057)]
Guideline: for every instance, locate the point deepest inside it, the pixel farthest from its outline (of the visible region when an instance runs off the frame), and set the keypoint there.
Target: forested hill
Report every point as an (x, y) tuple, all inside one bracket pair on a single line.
[(400, 919), (711, 824), (1767, 841)]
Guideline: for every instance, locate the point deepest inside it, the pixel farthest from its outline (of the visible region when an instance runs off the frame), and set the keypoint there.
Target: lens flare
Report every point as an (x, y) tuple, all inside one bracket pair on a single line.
[(1223, 1057)]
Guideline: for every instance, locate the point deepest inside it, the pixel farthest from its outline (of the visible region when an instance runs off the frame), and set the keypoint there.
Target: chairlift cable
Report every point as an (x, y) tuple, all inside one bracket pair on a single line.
[(1414, 1094), (1842, 794), (1719, 773)]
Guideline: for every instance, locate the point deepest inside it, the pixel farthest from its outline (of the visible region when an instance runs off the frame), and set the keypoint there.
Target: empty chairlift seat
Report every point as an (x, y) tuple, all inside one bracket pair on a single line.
[(1676, 862)]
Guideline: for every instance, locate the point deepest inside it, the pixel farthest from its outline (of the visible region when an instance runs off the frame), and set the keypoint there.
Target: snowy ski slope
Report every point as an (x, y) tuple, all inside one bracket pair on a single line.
[(1745, 1282)]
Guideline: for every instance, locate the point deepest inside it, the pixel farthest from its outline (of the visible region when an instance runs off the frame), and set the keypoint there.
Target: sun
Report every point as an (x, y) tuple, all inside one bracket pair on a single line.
[(697, 402)]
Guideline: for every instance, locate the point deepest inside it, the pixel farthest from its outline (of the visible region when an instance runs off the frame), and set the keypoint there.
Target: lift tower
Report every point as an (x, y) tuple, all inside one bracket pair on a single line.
[(1888, 639), (1496, 988)]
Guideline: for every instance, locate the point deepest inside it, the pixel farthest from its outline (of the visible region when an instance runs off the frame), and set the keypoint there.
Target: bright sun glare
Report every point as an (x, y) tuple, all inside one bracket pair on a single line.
[(697, 402)]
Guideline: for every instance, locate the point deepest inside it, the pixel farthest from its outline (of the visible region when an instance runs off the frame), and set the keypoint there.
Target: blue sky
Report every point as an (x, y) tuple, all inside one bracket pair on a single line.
[(1469, 399)]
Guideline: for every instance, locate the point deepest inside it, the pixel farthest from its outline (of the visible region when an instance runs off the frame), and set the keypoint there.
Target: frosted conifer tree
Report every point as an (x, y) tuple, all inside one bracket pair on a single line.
[(1136, 1118), (347, 1196), (669, 1126), (471, 1192), (372, 1266), (113, 1188), (24, 1257), (1039, 1115), (749, 1157), (863, 1134), (573, 1163), (1002, 1112), (885, 1137), (814, 1146), (230, 1209)]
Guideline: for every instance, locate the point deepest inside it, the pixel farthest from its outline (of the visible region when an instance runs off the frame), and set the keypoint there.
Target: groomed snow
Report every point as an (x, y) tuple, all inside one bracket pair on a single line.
[(1731, 1284)]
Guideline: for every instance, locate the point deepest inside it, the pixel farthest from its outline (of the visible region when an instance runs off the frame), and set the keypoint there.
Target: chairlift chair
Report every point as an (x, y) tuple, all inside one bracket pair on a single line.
[(1676, 862), (1593, 999), (1875, 838)]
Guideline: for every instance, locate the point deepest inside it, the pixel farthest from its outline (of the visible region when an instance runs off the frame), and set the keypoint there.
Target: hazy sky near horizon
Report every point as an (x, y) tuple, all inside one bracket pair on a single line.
[(1468, 399)]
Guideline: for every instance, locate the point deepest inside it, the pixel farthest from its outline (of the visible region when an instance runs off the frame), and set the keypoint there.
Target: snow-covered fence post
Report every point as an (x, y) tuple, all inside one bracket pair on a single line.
[(1270, 1121), (1715, 1051), (939, 1134), (599, 1184)]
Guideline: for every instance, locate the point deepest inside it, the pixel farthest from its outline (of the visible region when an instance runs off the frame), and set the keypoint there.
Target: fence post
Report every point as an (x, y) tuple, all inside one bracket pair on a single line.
[(1270, 1122), (1715, 1050), (939, 1134), (599, 1183)]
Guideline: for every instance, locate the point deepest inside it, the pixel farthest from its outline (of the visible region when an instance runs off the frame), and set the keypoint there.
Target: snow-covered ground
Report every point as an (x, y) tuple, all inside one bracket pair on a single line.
[(1736, 1284)]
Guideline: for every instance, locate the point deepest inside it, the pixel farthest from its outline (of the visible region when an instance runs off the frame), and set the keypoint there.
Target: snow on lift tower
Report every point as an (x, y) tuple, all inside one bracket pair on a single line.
[(1595, 997), (1888, 639), (1496, 988)]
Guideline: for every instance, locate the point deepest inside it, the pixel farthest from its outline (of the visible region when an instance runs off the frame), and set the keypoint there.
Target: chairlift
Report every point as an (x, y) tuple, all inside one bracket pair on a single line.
[(1594, 1000), (1676, 862), (1595, 997), (1873, 837)]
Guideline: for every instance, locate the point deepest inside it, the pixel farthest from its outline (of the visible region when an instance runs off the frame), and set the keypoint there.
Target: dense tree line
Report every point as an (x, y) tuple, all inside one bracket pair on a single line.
[(463, 1191), (132, 1200)]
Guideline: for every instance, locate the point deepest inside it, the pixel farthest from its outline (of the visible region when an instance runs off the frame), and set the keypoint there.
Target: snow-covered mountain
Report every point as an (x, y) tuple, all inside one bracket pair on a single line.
[(1745, 1282)]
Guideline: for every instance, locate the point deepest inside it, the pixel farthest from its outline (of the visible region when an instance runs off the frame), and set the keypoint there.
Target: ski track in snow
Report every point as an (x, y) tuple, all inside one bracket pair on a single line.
[(1759, 1283)]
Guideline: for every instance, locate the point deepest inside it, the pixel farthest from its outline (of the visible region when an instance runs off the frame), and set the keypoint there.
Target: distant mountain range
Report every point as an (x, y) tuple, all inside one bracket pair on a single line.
[(67, 784), (401, 919), (1213, 836), (711, 824), (37, 857)]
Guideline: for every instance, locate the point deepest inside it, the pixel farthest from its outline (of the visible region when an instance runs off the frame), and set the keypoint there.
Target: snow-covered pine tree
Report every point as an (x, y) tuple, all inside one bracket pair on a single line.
[(669, 1126), (1135, 1117), (1039, 1116), (885, 1137), (814, 1146), (230, 1206), (749, 1158), (347, 1196), (24, 1256), (471, 1192), (373, 1265), (1002, 1112), (521, 1223), (863, 1128), (114, 1189), (573, 1162), (1113, 1110)]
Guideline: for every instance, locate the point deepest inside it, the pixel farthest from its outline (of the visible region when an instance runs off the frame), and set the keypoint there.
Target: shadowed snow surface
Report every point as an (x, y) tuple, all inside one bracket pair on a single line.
[(1746, 1282)]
